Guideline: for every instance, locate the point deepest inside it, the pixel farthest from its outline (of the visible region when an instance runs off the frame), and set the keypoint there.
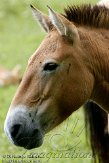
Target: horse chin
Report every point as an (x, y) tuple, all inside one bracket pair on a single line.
[(34, 144), (29, 142)]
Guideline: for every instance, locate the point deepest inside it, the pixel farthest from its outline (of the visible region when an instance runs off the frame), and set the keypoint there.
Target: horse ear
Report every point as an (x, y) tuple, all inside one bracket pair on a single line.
[(63, 26), (42, 18)]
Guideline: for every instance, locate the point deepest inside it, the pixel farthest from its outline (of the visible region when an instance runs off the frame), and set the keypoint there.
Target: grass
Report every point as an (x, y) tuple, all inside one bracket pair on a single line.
[(19, 37)]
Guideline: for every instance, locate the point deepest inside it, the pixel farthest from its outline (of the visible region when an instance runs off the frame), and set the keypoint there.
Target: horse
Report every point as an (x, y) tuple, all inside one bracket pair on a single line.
[(70, 69)]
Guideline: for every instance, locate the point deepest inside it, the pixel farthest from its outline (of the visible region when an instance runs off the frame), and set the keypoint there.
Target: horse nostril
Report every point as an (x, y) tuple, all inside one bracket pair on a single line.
[(15, 130)]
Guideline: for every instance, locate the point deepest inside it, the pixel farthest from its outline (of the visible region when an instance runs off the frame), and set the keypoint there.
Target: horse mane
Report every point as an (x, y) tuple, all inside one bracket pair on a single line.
[(87, 15)]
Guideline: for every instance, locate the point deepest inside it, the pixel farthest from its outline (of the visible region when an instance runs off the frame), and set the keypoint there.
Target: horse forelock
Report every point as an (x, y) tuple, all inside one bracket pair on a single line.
[(87, 15)]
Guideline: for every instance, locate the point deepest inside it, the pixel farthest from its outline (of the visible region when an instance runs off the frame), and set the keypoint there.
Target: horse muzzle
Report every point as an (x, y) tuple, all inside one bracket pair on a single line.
[(22, 128)]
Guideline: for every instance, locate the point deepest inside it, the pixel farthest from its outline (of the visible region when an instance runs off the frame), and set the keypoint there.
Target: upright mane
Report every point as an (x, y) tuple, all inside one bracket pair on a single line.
[(86, 15)]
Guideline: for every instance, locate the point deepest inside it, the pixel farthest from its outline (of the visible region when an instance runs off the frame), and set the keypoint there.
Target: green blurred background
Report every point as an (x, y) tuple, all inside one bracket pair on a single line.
[(20, 35)]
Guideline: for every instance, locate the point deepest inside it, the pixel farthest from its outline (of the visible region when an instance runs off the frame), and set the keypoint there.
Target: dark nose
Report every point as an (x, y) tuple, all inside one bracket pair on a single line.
[(24, 137), (16, 131)]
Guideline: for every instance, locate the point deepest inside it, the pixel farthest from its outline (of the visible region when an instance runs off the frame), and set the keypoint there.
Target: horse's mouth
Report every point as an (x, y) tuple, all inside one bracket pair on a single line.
[(29, 142)]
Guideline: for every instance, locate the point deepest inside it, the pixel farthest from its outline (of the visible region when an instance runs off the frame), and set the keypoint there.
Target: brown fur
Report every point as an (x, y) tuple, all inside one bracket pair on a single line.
[(96, 41), (95, 45)]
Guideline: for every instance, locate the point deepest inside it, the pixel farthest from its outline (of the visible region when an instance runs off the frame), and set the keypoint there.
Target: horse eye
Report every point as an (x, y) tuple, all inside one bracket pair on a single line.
[(50, 66)]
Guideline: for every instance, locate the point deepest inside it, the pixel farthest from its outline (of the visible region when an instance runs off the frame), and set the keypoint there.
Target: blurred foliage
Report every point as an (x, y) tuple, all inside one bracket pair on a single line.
[(18, 7)]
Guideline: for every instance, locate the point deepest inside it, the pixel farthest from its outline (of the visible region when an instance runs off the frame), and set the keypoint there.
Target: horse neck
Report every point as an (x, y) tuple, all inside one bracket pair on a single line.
[(96, 58)]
